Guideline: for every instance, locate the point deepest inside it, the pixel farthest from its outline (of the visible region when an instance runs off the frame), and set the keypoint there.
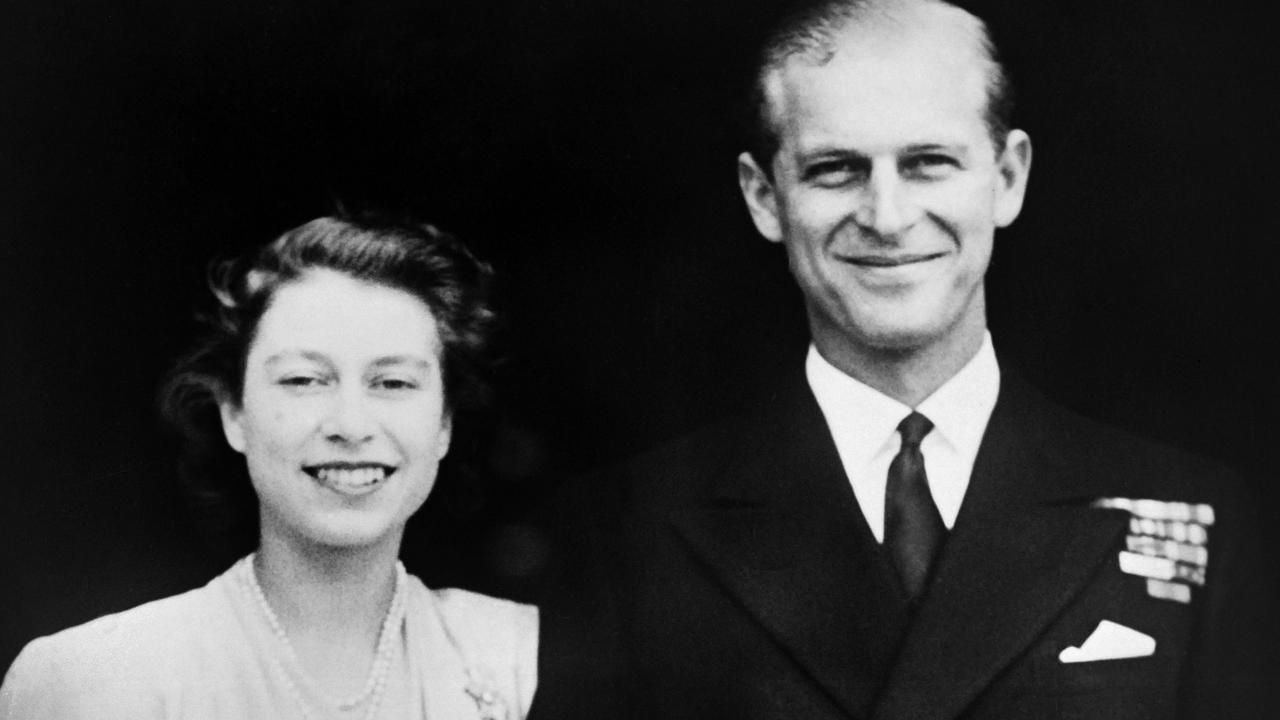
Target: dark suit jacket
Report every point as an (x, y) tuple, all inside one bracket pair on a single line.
[(742, 581)]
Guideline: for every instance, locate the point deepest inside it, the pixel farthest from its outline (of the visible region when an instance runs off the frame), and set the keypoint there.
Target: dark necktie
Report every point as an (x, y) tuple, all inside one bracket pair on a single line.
[(913, 529)]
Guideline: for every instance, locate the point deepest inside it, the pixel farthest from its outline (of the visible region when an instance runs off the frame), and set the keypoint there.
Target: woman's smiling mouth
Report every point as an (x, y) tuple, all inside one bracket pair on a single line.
[(350, 478)]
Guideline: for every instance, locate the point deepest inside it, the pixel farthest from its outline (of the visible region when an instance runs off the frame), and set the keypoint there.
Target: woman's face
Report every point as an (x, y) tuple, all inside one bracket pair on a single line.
[(342, 420)]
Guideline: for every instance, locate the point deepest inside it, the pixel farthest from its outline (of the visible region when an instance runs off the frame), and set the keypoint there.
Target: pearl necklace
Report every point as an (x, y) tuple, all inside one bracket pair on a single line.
[(376, 683)]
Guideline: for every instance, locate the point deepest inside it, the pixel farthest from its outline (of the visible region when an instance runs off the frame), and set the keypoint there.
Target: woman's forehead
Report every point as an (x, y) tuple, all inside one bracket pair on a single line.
[(335, 313)]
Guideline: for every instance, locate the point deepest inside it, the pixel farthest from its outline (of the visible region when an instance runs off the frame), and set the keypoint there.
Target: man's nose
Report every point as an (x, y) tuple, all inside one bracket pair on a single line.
[(885, 208), (348, 420)]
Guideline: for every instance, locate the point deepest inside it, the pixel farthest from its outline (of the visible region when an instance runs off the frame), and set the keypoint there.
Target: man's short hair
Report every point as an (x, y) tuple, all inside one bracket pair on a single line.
[(810, 27)]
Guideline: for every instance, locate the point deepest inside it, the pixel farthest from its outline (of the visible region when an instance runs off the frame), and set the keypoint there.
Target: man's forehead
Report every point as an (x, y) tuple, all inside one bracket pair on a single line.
[(887, 79)]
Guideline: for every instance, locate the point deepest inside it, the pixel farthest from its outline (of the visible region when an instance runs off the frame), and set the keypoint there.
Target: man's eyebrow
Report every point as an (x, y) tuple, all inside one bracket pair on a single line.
[(829, 151), (954, 148)]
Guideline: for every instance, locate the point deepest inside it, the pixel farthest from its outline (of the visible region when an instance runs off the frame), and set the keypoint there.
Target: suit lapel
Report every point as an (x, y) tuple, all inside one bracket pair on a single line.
[(1024, 544), (781, 530)]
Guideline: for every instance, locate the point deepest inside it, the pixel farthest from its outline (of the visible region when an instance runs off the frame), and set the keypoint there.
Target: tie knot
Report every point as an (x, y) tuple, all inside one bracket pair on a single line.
[(913, 428)]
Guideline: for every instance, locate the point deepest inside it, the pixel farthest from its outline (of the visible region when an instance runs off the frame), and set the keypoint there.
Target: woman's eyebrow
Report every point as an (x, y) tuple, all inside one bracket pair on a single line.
[(414, 360), (291, 354)]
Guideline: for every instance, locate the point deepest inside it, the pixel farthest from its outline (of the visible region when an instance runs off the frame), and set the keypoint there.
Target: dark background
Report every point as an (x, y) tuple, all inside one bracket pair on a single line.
[(586, 148)]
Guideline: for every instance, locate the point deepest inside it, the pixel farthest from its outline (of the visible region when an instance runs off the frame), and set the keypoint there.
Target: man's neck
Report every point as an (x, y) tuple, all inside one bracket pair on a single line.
[(906, 375)]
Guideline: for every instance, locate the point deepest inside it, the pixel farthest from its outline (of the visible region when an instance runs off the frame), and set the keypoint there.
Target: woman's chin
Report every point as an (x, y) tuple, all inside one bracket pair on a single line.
[(348, 534)]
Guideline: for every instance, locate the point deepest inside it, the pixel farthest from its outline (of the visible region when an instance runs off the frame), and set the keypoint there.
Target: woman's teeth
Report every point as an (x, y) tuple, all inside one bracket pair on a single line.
[(351, 478)]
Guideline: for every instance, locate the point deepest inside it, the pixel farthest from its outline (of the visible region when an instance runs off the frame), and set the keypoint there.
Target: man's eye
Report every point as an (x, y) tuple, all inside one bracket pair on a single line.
[(929, 166), (835, 173)]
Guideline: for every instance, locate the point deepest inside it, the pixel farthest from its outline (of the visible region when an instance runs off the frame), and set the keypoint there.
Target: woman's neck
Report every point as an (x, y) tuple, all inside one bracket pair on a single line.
[(331, 603)]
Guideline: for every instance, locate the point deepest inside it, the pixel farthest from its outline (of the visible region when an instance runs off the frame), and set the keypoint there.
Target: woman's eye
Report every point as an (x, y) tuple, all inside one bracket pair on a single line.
[(301, 381), (394, 384)]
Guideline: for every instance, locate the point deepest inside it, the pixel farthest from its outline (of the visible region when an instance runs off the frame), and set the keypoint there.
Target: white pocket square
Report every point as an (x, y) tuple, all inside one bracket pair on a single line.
[(1110, 641)]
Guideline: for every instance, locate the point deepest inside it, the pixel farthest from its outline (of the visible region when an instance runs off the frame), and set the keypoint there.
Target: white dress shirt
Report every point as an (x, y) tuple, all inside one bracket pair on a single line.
[(864, 424)]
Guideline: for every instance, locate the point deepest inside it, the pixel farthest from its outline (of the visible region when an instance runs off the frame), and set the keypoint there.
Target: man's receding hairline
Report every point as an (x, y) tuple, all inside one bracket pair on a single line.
[(815, 39), (816, 42), (818, 45)]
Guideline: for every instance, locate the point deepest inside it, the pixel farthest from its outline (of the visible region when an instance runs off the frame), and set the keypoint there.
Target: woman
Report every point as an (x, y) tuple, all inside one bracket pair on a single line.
[(339, 358)]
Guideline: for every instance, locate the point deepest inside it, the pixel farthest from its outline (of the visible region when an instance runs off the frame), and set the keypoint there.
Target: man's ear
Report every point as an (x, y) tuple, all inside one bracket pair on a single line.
[(762, 200), (1014, 166), (232, 424)]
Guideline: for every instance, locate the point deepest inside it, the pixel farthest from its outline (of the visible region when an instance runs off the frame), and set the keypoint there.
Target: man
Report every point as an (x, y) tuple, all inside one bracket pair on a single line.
[(906, 530)]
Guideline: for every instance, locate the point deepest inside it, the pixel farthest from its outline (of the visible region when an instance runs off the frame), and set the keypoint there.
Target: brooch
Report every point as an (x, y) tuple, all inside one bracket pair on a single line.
[(489, 703)]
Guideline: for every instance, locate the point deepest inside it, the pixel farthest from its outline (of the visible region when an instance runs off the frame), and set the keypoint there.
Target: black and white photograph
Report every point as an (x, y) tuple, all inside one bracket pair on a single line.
[(864, 359)]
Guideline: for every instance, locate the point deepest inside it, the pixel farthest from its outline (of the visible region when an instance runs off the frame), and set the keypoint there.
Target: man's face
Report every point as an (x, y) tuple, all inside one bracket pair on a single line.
[(887, 189)]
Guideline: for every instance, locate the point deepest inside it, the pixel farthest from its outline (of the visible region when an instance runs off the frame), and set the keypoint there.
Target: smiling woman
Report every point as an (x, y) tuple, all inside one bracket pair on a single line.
[(342, 418), (337, 363)]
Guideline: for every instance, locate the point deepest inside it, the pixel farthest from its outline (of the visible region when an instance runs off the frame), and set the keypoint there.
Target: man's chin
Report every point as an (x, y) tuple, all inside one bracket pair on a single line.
[(865, 342), (906, 325), (901, 340), (890, 340), (897, 329)]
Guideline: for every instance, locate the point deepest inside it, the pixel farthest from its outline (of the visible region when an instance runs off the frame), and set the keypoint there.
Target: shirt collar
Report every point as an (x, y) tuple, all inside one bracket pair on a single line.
[(959, 409), (861, 419)]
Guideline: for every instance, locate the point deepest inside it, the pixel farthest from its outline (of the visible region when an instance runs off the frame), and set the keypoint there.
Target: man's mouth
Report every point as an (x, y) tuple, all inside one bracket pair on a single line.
[(891, 261), (350, 478)]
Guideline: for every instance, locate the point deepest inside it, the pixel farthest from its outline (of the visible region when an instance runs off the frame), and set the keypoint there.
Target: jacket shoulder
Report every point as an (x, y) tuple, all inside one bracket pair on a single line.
[(498, 639), (488, 624), (108, 667), (1115, 460)]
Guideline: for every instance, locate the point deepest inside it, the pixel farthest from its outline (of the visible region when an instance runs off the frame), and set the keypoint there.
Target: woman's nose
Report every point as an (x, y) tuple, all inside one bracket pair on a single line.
[(348, 420)]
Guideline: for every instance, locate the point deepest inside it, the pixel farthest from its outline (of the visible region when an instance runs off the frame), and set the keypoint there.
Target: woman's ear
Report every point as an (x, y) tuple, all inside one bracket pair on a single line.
[(232, 424), (444, 436)]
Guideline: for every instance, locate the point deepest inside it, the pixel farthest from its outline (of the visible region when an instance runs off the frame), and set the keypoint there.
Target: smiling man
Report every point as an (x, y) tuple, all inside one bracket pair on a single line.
[(905, 529), (885, 184)]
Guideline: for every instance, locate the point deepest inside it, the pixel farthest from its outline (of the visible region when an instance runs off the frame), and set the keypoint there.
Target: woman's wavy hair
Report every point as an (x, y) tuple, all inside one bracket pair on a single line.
[(417, 258)]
